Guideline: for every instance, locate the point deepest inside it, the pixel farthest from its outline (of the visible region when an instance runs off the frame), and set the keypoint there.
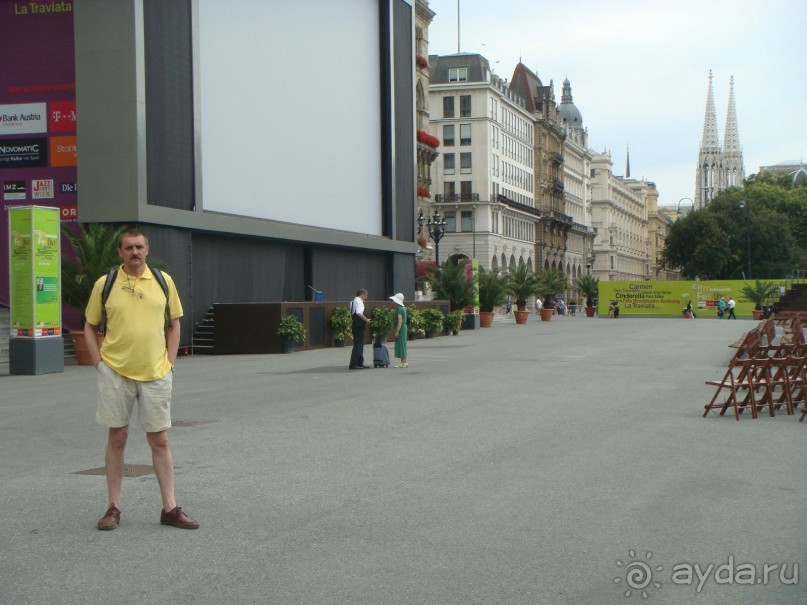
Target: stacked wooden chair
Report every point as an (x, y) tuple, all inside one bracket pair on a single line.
[(765, 373)]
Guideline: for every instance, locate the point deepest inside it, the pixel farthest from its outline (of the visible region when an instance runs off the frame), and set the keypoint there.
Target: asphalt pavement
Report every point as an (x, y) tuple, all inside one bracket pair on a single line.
[(557, 463)]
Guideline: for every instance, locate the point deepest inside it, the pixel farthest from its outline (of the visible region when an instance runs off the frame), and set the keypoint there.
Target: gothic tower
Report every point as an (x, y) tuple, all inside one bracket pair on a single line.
[(733, 169), (718, 167), (709, 175)]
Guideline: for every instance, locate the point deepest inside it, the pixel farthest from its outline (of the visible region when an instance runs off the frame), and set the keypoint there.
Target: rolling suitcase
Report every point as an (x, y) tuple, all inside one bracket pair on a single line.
[(380, 356)]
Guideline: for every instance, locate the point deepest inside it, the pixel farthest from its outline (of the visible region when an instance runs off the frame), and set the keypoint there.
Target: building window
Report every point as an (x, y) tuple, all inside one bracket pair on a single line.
[(465, 134), (448, 163), (448, 107), (465, 163), (451, 222), (465, 106), (448, 135), (458, 74), (467, 221), (466, 188), (449, 188)]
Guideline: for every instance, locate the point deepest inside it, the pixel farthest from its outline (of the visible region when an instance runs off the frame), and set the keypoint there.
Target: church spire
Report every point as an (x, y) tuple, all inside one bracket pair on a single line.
[(709, 175), (627, 165), (732, 152)]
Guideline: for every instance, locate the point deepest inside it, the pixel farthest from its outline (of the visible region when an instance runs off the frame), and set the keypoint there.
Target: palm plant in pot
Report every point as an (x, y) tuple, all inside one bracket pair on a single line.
[(550, 283), (341, 325), (449, 282), (760, 293), (521, 284), (589, 287), (291, 332), (492, 293), (95, 252)]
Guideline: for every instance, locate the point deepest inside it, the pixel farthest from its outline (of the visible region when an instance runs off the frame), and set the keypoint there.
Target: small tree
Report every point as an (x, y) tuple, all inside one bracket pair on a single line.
[(341, 323), (550, 282), (521, 284), (492, 292), (449, 283), (383, 319), (760, 292), (589, 287)]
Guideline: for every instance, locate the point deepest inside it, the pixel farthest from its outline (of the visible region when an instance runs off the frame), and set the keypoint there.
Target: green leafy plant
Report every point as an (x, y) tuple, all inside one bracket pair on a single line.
[(291, 330), (521, 284), (414, 319), (760, 292), (492, 292), (549, 283), (449, 283), (341, 323), (95, 250), (432, 320), (589, 287), (454, 319), (382, 321)]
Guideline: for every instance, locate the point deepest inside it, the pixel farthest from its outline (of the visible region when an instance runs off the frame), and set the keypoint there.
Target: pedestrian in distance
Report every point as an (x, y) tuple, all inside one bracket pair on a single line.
[(721, 308), (730, 308), (137, 310), (360, 323), (400, 329), (689, 310)]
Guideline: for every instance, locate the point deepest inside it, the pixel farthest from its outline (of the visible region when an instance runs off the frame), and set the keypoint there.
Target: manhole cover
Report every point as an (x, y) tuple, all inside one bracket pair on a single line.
[(129, 470)]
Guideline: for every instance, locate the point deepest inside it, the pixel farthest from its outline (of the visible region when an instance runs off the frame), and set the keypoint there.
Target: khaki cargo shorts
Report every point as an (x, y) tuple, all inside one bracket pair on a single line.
[(117, 395)]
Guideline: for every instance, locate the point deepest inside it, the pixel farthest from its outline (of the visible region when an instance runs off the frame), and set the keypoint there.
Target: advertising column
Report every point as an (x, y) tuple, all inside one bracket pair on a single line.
[(36, 345)]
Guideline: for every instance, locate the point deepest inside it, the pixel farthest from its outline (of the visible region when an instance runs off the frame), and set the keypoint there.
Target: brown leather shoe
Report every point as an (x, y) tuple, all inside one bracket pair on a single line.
[(178, 519), (110, 519)]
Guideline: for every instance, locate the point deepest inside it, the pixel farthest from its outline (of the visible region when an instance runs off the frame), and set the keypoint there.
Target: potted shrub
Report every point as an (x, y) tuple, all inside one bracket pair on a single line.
[(549, 283), (382, 322), (414, 322), (432, 321), (521, 284), (589, 287), (291, 332), (760, 293), (453, 321), (341, 325), (95, 252), (492, 294), (450, 283)]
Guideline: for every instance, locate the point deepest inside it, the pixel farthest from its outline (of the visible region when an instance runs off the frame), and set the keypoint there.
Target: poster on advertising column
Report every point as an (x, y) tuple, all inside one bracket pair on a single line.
[(35, 271)]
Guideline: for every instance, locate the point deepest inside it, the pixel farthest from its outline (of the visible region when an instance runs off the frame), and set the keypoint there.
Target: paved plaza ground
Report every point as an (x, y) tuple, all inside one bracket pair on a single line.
[(547, 464)]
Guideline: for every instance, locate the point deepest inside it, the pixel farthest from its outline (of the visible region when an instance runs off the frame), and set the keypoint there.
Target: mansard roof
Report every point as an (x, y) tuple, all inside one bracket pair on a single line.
[(478, 67), (529, 86)]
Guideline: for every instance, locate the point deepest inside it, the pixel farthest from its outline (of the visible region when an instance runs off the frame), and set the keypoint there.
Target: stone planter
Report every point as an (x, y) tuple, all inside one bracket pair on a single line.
[(521, 317), (546, 314), (80, 347), (590, 311)]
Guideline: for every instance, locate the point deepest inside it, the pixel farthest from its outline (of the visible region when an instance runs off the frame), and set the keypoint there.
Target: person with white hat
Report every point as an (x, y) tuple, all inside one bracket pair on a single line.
[(400, 329)]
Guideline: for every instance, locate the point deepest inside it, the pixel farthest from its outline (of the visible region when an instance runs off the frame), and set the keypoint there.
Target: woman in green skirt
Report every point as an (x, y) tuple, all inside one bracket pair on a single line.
[(400, 329)]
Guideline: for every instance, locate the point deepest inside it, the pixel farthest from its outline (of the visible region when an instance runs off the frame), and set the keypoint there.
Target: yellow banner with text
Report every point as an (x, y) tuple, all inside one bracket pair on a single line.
[(670, 298)]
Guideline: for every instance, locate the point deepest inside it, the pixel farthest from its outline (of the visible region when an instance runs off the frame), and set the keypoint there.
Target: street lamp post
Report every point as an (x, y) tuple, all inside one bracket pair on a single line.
[(744, 204), (435, 227)]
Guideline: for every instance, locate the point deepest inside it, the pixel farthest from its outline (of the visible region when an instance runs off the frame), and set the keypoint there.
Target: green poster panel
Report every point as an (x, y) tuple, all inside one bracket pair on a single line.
[(670, 297), (35, 272)]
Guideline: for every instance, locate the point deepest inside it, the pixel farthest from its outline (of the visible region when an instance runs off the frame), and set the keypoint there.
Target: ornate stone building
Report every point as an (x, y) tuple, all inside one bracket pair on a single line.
[(427, 143), (484, 176), (553, 229), (718, 167), (577, 187), (619, 213)]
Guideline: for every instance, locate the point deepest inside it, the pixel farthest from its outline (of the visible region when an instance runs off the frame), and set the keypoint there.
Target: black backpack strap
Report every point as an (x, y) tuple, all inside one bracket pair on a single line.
[(110, 279), (158, 275)]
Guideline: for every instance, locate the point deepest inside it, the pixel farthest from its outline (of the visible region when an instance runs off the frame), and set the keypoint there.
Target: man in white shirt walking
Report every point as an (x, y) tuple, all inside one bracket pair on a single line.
[(360, 323)]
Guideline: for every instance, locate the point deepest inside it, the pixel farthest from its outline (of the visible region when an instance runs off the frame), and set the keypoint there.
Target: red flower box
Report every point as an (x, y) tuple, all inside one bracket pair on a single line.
[(427, 139), (421, 62)]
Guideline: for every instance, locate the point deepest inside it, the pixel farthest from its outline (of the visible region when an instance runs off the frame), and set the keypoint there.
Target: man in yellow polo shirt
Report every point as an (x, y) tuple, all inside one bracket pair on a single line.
[(135, 363)]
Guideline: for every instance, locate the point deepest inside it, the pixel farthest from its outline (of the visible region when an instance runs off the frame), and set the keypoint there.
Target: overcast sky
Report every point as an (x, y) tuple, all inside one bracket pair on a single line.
[(639, 72)]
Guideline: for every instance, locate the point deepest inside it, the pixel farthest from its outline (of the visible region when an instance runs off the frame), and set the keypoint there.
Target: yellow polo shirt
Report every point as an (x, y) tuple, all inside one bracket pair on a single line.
[(134, 345)]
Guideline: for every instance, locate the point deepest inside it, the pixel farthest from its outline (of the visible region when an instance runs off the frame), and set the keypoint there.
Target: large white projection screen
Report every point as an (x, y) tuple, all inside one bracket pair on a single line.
[(290, 111)]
